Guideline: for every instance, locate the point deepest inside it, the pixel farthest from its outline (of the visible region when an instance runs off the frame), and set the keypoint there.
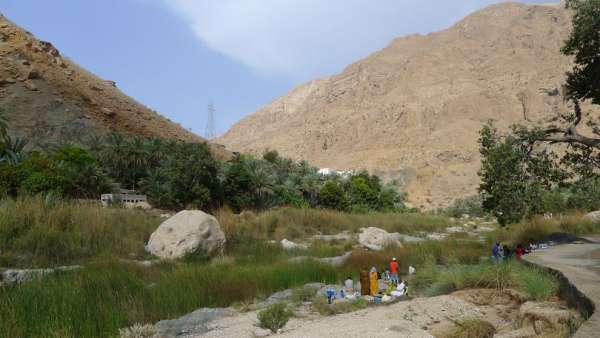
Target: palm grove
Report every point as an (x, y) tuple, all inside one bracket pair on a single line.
[(178, 175), (554, 166)]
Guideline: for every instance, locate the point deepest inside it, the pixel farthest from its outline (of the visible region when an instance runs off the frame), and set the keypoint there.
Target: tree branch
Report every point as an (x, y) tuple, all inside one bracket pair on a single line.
[(570, 134)]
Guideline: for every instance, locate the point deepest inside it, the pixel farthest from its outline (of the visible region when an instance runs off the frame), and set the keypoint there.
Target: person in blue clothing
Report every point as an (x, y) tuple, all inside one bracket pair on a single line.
[(496, 252)]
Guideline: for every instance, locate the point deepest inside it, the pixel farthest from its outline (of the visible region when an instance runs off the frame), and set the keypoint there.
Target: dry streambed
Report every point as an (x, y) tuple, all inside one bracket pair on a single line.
[(510, 313)]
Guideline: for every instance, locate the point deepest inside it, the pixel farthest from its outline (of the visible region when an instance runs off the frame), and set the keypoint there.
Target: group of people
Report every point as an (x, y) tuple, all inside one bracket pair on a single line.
[(385, 285), (502, 252), (391, 283)]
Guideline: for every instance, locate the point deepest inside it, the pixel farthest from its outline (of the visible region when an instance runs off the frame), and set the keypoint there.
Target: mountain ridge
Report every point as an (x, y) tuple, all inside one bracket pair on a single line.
[(412, 111), (46, 97)]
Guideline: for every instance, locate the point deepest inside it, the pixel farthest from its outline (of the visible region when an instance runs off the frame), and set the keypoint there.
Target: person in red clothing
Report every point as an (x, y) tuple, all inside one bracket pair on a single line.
[(519, 252), (394, 271)]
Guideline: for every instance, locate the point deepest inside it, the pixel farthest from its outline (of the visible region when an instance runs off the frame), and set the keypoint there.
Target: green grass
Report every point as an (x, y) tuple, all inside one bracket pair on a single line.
[(294, 223), (35, 232), (437, 280), (100, 299)]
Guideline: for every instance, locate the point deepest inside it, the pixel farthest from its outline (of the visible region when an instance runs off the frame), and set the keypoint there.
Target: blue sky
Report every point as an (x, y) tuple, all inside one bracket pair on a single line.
[(177, 56)]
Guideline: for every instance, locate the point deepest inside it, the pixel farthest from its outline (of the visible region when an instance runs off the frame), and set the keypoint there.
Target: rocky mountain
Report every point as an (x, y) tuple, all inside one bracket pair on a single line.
[(412, 111), (47, 97)]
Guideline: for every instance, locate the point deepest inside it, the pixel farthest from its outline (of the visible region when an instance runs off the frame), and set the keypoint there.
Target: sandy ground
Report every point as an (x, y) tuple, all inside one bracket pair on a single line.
[(423, 317)]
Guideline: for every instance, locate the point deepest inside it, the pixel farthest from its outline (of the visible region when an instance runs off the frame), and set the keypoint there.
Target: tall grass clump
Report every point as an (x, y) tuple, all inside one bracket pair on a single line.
[(538, 228), (295, 223), (473, 328), (536, 283), (99, 299), (274, 317), (39, 232)]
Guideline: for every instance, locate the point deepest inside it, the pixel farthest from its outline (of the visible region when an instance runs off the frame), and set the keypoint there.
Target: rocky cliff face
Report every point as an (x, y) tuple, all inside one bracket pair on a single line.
[(48, 98), (412, 111)]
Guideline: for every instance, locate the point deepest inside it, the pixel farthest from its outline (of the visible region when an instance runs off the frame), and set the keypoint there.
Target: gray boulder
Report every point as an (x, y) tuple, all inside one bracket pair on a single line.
[(193, 324), (376, 239), (592, 216), (289, 245), (189, 231), (18, 276)]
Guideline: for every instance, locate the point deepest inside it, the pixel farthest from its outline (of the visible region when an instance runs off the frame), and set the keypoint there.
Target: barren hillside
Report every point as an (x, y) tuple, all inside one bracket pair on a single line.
[(412, 111), (47, 97)]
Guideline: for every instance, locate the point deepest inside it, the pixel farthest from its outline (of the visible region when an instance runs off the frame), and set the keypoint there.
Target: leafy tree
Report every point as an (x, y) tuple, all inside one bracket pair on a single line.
[(513, 175), (236, 184), (583, 82), (332, 196), (190, 173)]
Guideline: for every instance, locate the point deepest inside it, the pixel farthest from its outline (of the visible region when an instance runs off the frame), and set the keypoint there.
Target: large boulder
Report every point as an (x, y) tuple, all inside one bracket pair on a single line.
[(376, 239), (189, 231), (592, 216)]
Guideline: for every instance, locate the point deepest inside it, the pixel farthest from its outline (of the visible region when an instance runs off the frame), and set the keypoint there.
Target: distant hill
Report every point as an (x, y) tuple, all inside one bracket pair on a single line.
[(49, 98), (412, 111)]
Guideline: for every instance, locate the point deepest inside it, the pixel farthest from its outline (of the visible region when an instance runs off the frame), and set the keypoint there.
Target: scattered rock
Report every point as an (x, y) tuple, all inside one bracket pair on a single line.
[(189, 231), (376, 239), (280, 296), (18, 276), (455, 229), (7, 81), (344, 236), (195, 323), (30, 85), (33, 74), (111, 83), (436, 236), (289, 245), (333, 261), (96, 88), (4, 25), (108, 112)]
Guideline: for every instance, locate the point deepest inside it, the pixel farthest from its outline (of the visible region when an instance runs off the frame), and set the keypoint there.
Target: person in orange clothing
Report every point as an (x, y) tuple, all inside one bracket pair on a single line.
[(374, 279), (394, 271)]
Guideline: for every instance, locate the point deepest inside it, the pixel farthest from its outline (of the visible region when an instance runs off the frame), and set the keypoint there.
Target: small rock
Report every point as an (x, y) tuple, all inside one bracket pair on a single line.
[(108, 112), (4, 25), (289, 245), (33, 74), (96, 88), (111, 83), (31, 86)]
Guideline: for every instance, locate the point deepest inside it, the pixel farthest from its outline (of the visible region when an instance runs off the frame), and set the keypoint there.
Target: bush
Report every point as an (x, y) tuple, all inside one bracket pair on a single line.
[(473, 328), (274, 317), (471, 206)]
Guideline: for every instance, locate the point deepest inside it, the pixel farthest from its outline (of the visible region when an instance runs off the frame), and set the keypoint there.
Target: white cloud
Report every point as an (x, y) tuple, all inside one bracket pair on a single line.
[(308, 38)]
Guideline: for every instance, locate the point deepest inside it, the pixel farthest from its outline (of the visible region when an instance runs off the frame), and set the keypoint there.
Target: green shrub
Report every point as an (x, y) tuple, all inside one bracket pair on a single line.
[(473, 328), (471, 206), (274, 317)]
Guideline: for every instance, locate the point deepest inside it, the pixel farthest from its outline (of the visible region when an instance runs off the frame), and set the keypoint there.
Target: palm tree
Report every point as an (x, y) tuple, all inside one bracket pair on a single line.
[(137, 159), (12, 150), (261, 182)]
